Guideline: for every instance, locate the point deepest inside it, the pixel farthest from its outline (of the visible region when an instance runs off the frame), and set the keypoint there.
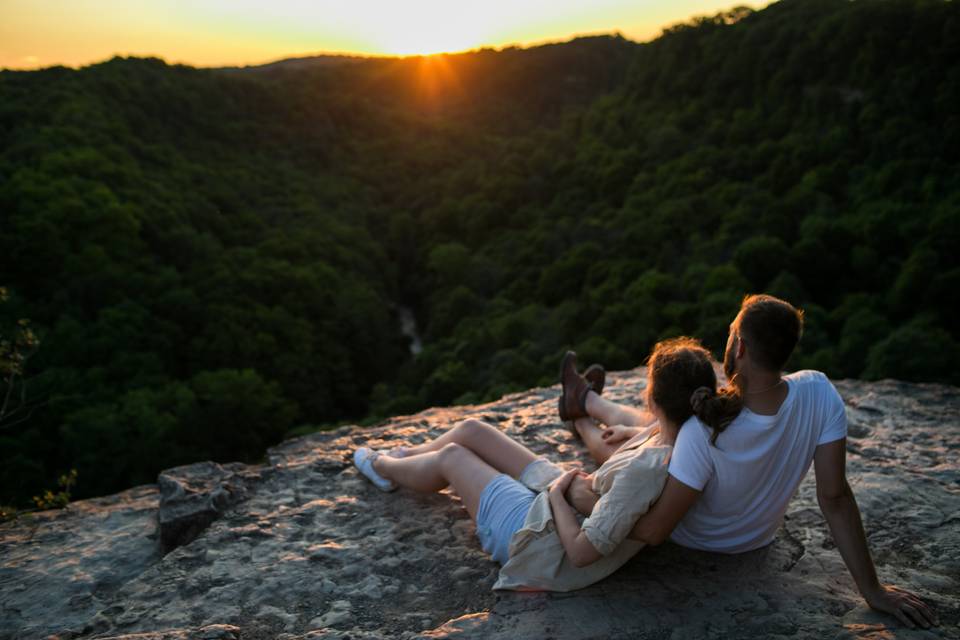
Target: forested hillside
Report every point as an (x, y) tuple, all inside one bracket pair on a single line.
[(214, 258)]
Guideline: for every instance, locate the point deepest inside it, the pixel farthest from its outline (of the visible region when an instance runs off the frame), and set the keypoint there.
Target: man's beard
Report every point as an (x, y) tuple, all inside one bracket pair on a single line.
[(729, 360)]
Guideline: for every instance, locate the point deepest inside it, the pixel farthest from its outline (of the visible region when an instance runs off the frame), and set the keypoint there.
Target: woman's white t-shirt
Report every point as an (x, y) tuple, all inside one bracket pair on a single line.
[(748, 478)]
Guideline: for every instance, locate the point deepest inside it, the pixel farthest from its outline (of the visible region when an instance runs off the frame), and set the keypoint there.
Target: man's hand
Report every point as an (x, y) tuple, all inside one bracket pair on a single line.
[(908, 608), (618, 434), (840, 509), (580, 494)]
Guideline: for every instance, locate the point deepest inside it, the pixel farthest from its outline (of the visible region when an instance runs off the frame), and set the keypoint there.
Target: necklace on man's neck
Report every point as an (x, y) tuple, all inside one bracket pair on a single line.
[(773, 386)]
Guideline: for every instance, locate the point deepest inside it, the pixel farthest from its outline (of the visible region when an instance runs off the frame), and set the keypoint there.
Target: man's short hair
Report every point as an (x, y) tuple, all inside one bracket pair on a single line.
[(771, 328)]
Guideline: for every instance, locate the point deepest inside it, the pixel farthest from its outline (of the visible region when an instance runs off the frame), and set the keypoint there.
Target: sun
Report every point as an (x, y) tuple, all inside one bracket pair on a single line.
[(405, 44), (424, 28), (426, 41)]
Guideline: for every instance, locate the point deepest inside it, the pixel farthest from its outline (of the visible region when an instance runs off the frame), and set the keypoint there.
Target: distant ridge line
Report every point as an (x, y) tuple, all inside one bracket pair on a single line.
[(333, 59)]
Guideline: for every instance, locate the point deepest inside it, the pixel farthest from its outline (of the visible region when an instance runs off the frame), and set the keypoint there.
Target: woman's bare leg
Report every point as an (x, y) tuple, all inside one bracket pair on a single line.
[(611, 413), (493, 446), (452, 465), (592, 434)]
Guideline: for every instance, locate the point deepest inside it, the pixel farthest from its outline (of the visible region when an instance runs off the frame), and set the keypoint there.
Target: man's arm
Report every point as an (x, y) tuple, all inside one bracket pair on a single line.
[(840, 509), (655, 526)]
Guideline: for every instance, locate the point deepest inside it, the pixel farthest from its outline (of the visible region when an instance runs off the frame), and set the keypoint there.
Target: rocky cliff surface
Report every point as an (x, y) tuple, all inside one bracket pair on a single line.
[(303, 547)]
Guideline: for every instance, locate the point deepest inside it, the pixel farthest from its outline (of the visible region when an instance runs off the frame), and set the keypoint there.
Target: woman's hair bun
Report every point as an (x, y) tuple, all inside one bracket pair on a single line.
[(700, 397)]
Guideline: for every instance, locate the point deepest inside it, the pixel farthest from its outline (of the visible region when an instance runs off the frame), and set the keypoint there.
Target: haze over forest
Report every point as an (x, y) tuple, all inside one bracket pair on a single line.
[(215, 259)]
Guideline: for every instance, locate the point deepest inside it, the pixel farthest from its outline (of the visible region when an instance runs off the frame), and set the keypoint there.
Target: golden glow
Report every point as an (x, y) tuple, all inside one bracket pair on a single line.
[(38, 33), (435, 78)]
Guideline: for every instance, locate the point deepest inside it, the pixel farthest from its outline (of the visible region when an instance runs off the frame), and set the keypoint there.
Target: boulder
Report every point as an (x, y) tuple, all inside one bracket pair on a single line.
[(194, 495)]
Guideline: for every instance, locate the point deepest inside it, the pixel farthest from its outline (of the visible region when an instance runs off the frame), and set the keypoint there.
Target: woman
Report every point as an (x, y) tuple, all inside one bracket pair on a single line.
[(514, 496)]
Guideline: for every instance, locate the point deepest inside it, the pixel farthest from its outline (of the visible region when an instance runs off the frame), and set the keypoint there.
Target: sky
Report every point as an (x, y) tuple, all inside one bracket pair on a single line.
[(42, 33)]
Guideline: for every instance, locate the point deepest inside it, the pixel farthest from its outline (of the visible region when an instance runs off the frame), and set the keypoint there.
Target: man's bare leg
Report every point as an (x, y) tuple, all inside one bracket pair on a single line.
[(611, 413), (592, 435)]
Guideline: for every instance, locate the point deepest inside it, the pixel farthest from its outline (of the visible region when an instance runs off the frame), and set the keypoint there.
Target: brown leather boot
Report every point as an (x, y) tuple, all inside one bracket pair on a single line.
[(596, 376), (573, 397)]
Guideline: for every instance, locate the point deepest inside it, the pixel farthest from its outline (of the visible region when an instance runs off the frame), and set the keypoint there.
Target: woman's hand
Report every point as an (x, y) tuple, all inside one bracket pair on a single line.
[(559, 486), (618, 434), (908, 608), (578, 548)]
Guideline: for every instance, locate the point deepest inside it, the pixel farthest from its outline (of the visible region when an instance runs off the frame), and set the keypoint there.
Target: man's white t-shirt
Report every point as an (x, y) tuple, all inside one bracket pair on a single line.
[(748, 478)]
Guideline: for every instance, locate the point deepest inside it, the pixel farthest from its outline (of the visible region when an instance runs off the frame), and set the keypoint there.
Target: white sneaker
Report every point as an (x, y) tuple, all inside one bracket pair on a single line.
[(363, 458)]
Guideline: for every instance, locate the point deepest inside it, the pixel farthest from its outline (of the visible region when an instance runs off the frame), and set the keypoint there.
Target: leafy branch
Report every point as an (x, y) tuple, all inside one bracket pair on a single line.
[(48, 500), (15, 351)]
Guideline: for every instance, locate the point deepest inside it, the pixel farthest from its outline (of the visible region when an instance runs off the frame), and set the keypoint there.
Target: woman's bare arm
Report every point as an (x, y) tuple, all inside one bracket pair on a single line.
[(580, 550)]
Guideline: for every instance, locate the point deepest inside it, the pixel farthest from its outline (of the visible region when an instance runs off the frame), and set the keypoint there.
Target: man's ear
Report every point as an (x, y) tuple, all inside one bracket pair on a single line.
[(741, 348)]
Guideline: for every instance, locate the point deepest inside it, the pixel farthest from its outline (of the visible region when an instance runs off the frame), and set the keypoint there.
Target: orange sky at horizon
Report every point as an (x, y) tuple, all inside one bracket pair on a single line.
[(42, 33)]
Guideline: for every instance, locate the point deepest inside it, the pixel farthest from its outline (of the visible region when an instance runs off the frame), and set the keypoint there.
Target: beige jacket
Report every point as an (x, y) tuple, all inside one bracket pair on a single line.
[(628, 483)]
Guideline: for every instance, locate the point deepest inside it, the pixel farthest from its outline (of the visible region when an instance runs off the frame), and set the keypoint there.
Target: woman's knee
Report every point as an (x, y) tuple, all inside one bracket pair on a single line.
[(473, 428), (454, 454)]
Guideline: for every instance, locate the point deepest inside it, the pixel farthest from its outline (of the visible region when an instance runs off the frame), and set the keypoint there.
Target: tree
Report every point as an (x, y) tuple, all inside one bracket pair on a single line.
[(918, 350), (15, 350)]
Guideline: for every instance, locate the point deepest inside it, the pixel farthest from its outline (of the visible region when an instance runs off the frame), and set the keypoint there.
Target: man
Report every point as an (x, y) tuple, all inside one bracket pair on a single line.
[(728, 492)]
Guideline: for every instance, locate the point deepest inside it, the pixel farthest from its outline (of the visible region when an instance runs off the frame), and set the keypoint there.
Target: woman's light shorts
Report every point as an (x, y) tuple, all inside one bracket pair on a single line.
[(504, 504)]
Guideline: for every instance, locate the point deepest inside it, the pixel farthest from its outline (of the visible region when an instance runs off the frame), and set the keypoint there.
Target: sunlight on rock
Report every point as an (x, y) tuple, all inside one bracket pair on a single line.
[(867, 632)]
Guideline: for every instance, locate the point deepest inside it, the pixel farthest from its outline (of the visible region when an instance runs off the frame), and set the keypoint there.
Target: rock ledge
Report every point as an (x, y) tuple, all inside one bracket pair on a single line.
[(303, 547)]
